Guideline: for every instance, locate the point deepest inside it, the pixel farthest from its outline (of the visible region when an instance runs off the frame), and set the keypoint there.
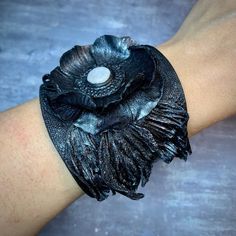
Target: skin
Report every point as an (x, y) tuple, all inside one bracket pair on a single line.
[(35, 184)]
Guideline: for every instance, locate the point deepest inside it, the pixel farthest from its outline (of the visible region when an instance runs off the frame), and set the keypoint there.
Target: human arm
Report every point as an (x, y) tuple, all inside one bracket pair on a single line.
[(35, 184)]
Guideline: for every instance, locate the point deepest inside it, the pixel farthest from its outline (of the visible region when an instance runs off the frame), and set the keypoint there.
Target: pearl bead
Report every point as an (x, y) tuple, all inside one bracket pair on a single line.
[(98, 75)]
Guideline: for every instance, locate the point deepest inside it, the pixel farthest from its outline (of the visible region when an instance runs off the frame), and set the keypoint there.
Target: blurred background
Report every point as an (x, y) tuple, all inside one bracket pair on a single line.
[(197, 197)]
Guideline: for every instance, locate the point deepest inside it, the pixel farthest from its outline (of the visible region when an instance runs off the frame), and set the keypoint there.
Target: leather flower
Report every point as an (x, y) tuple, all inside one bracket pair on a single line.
[(131, 67)]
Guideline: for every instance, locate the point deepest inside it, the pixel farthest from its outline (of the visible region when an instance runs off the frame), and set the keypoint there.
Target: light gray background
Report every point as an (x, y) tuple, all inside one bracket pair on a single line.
[(193, 198)]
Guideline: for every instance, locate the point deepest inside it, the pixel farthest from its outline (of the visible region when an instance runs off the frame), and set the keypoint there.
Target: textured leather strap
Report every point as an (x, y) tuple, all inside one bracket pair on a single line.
[(109, 134)]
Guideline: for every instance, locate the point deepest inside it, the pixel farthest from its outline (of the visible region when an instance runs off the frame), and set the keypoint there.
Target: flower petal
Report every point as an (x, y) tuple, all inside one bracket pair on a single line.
[(78, 99), (77, 60), (111, 49), (139, 69), (64, 111), (58, 81)]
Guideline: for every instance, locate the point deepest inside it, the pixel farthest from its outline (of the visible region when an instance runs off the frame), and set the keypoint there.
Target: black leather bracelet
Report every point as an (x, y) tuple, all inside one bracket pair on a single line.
[(112, 109)]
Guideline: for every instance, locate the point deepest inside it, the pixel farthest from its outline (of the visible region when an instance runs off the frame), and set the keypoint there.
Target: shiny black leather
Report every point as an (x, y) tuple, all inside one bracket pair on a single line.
[(109, 136)]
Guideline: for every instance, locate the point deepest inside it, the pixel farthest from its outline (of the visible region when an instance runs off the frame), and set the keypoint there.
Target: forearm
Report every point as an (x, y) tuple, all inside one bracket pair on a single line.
[(35, 184)]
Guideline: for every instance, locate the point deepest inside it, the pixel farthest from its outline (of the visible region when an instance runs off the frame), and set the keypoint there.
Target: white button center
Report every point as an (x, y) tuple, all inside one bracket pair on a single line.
[(98, 75)]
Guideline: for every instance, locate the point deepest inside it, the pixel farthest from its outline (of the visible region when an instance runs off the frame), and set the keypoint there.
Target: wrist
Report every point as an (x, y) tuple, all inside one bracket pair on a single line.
[(173, 53), (201, 82)]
